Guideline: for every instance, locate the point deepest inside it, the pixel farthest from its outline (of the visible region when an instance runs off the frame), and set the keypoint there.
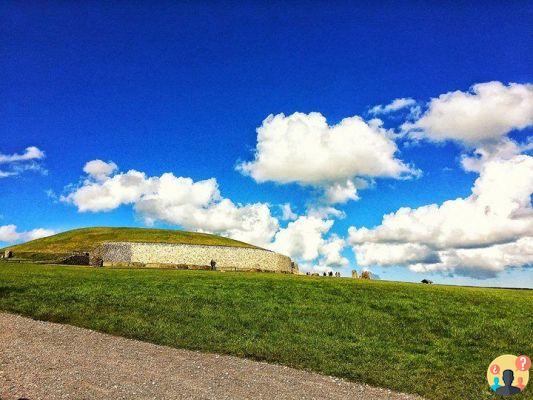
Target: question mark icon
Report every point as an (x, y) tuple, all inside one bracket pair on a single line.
[(495, 369), (523, 363)]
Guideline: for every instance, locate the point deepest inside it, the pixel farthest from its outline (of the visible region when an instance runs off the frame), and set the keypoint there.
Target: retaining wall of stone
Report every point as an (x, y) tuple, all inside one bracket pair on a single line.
[(192, 256)]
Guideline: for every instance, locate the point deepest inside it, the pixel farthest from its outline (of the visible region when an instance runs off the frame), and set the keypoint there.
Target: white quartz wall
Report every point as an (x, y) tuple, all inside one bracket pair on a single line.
[(226, 258)]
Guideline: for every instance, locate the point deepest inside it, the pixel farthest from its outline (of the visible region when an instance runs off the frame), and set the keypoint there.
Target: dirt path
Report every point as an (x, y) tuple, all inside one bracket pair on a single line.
[(42, 360)]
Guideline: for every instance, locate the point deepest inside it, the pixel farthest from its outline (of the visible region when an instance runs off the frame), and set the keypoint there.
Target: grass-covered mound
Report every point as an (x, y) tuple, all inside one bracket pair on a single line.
[(436, 341), (55, 247)]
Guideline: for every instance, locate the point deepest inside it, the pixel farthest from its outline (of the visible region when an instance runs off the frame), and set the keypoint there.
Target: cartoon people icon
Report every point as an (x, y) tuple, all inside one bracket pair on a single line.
[(508, 389), (508, 374), (496, 384)]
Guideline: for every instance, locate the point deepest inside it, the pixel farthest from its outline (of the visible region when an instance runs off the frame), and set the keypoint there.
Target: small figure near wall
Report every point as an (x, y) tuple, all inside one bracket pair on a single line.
[(213, 265)]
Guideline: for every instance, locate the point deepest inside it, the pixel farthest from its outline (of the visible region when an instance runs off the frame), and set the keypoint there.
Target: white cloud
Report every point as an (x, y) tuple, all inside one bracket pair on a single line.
[(304, 240), (10, 234), (287, 213), (496, 219), (99, 169), (31, 153), (303, 148), (395, 105), (486, 113), (38, 233), (341, 192), (325, 212), (15, 164), (482, 262), (196, 206), (505, 149), (388, 254), (332, 252), (110, 193)]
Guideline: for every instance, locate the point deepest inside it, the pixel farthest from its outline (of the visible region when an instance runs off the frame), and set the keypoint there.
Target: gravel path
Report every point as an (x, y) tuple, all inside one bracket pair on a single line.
[(42, 360)]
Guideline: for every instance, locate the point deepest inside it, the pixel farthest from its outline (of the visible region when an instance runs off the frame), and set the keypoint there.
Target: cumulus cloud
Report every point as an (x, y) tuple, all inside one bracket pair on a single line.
[(15, 164), (341, 192), (304, 149), (344, 191), (505, 149), (395, 105), (99, 169), (286, 212), (332, 252), (479, 235), (486, 113), (304, 240), (389, 254), (10, 234), (181, 201), (482, 262)]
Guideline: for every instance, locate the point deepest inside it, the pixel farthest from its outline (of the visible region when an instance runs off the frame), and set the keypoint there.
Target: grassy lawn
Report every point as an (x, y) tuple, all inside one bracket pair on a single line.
[(436, 341)]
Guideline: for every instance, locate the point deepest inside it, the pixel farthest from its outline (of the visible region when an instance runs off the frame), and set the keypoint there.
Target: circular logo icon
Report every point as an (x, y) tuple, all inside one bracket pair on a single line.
[(508, 374)]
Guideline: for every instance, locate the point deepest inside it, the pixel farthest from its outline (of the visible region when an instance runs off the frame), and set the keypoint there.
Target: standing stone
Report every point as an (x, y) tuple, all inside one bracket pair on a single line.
[(366, 275), (96, 261), (354, 274), (8, 254)]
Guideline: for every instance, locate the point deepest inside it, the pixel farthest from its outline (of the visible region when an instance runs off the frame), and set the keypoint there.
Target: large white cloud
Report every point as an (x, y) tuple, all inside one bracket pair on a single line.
[(305, 240), (196, 206), (14, 164), (482, 262), (302, 238), (303, 148), (486, 113), (10, 234), (496, 221)]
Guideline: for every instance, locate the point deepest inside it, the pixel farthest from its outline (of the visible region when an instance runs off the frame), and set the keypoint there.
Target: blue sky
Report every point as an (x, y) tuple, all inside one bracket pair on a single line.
[(182, 88)]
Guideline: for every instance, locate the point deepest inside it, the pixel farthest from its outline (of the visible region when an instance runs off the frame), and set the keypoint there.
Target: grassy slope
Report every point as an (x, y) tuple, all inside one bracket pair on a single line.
[(87, 239), (436, 341)]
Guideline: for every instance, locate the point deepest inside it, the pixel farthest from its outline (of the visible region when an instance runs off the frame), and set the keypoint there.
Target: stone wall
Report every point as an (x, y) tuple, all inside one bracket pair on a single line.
[(192, 256)]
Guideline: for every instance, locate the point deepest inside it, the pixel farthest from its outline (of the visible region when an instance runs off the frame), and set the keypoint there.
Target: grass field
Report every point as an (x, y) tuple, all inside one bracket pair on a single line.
[(87, 239), (436, 341)]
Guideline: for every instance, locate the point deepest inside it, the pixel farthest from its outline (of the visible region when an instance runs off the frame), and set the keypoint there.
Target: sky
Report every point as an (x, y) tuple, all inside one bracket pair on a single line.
[(389, 137)]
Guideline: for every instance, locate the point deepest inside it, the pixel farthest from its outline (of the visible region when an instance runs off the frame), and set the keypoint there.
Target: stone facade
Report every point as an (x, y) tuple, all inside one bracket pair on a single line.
[(160, 255)]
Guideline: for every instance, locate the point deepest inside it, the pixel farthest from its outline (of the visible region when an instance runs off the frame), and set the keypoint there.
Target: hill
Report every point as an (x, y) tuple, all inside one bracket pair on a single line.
[(87, 239), (436, 341)]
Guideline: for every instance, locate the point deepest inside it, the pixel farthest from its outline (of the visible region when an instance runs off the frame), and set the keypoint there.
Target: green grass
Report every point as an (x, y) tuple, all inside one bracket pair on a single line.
[(87, 239), (436, 341)]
